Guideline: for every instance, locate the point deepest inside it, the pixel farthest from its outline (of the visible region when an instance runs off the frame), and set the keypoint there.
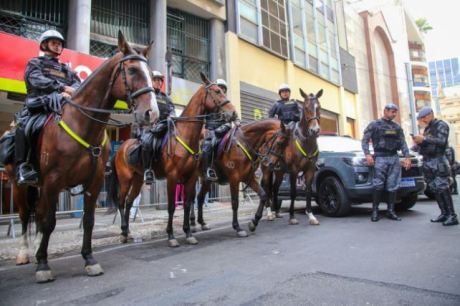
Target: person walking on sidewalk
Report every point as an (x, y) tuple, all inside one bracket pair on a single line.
[(432, 146), (387, 139)]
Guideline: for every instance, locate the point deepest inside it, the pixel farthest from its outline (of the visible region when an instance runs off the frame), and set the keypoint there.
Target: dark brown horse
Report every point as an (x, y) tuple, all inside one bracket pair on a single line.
[(178, 161), (256, 142), (300, 155), (65, 161)]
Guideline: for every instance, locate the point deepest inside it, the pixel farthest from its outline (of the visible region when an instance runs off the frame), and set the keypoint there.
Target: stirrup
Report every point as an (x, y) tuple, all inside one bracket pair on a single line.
[(149, 177), (27, 175), (211, 175)]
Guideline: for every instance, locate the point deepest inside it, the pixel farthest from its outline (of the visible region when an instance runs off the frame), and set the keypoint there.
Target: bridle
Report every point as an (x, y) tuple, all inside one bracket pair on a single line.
[(131, 96), (271, 151), (315, 117)]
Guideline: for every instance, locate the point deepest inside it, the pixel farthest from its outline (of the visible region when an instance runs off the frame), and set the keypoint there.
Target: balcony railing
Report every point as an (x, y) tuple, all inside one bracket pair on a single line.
[(421, 84)]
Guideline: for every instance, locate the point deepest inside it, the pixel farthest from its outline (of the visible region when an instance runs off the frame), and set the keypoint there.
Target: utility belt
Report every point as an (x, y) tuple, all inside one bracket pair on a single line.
[(385, 153), (433, 156)]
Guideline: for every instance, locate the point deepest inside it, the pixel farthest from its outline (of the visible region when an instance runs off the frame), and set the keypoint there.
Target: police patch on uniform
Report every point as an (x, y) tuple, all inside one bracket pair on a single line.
[(55, 72)]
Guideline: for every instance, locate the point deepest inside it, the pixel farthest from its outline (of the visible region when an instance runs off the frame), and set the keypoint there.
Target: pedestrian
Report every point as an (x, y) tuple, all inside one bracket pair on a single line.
[(285, 109), (387, 139), (450, 155), (49, 84), (432, 146)]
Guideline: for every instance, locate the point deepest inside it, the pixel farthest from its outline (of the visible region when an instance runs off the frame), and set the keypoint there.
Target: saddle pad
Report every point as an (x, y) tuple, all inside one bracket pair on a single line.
[(223, 143), (134, 155)]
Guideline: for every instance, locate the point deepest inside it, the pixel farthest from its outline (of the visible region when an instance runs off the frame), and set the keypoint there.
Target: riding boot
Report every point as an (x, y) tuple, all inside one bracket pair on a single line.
[(376, 199), (146, 161), (451, 216), (209, 172), (391, 206), (25, 171), (442, 206)]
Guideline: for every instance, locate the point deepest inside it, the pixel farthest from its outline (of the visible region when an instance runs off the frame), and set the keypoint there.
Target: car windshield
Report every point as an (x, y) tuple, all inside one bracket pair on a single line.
[(338, 144)]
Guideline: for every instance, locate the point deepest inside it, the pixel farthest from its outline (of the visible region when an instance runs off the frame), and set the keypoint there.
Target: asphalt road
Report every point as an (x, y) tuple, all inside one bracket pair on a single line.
[(346, 261)]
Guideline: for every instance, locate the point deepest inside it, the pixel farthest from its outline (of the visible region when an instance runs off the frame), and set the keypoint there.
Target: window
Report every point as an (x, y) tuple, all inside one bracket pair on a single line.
[(188, 39), (271, 24)]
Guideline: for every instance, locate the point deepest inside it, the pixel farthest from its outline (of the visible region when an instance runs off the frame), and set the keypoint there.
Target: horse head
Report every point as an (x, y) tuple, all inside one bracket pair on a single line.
[(274, 148), (131, 82), (216, 101), (311, 113)]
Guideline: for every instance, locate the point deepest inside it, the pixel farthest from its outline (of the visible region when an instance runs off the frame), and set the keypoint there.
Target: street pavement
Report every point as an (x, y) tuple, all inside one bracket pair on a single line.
[(343, 261)]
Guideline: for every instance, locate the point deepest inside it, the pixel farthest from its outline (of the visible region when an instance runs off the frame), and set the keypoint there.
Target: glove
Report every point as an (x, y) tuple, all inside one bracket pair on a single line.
[(55, 104)]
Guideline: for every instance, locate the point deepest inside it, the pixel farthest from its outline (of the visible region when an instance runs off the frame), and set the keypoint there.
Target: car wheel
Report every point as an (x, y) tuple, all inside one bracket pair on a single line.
[(332, 198), (407, 202)]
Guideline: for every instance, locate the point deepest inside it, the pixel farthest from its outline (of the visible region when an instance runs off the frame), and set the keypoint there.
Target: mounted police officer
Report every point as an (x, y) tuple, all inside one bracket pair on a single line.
[(387, 138), (48, 83), (216, 127), (285, 109), (150, 138), (432, 146)]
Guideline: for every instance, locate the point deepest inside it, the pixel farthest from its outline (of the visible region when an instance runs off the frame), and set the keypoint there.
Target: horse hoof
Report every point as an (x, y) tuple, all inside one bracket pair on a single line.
[(191, 240), (251, 226), (44, 276), (278, 215), (172, 243), (193, 229), (293, 221), (123, 239), (241, 234), (94, 270), (314, 222), (22, 259), (205, 227), (270, 218)]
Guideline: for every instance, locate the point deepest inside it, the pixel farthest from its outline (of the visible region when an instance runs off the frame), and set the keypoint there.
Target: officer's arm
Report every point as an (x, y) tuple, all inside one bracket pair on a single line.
[(76, 82), (35, 77), (366, 137), (440, 139), (273, 111), (404, 148), (171, 107)]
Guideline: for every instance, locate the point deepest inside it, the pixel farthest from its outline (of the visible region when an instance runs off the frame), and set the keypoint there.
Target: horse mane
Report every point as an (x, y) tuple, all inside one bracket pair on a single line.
[(256, 126)]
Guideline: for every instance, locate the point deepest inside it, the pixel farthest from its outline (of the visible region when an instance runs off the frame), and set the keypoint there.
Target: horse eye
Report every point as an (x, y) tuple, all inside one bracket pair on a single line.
[(132, 70)]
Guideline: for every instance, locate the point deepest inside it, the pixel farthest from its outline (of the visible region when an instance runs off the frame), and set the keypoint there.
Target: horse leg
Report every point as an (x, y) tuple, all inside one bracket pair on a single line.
[(263, 201), (308, 181), (125, 186), (201, 196), (234, 190), (91, 266), (189, 198), (266, 184), (24, 206), (275, 189), (171, 189), (134, 191), (46, 222), (293, 183)]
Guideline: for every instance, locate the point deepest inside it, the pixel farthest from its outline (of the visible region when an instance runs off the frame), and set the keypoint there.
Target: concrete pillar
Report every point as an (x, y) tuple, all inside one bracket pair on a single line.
[(78, 33), (217, 39), (157, 27)]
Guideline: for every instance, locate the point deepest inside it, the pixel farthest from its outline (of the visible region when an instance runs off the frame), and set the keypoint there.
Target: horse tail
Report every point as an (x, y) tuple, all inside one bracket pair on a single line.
[(113, 186)]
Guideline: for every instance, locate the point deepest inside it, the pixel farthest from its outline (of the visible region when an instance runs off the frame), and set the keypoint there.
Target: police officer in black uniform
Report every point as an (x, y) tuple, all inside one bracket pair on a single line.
[(432, 146), (387, 138), (216, 127), (150, 137), (285, 109), (450, 155), (48, 83)]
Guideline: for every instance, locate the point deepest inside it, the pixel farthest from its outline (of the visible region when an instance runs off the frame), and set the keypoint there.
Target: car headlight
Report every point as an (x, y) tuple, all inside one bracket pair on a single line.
[(355, 161)]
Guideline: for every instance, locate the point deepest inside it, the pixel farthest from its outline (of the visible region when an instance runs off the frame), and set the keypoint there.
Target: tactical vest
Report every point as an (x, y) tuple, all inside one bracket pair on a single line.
[(289, 111), (387, 138), (433, 149), (162, 106), (213, 121)]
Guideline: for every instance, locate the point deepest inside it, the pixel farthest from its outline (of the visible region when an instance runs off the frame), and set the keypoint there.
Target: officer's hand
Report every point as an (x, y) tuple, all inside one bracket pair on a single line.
[(237, 122), (370, 160), (69, 90), (66, 95), (407, 163), (418, 139)]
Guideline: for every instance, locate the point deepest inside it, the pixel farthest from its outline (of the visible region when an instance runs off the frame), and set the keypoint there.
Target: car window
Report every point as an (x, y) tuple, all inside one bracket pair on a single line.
[(338, 144)]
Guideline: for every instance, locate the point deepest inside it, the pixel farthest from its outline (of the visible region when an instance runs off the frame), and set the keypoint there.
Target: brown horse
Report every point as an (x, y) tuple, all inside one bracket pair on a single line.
[(65, 161), (300, 155), (179, 158), (256, 142)]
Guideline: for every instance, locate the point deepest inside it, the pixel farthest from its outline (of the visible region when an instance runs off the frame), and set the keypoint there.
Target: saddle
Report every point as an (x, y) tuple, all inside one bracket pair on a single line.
[(7, 148), (224, 144), (134, 154)]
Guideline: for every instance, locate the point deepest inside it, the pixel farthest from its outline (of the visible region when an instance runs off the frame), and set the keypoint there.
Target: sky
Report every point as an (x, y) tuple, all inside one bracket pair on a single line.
[(444, 16)]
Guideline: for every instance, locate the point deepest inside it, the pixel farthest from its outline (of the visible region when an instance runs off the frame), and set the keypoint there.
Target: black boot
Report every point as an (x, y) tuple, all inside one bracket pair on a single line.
[(25, 172), (451, 216), (442, 206), (209, 172), (146, 161), (376, 199), (391, 207)]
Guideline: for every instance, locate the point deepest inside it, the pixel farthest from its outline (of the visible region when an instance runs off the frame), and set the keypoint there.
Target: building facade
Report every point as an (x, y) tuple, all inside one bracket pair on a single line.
[(444, 73)]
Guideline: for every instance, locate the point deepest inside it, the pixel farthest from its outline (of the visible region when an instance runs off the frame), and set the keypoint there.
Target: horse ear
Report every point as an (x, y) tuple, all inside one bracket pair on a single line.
[(146, 51), (204, 78), (123, 45), (302, 93), (319, 93)]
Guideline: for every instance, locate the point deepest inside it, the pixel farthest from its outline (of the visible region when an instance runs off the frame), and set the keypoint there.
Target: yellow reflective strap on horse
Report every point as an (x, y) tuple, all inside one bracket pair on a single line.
[(119, 104), (186, 146), (244, 150), (77, 138), (303, 151)]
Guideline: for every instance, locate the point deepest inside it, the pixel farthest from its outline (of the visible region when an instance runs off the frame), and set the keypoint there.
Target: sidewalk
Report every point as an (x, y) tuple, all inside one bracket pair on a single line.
[(68, 237)]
